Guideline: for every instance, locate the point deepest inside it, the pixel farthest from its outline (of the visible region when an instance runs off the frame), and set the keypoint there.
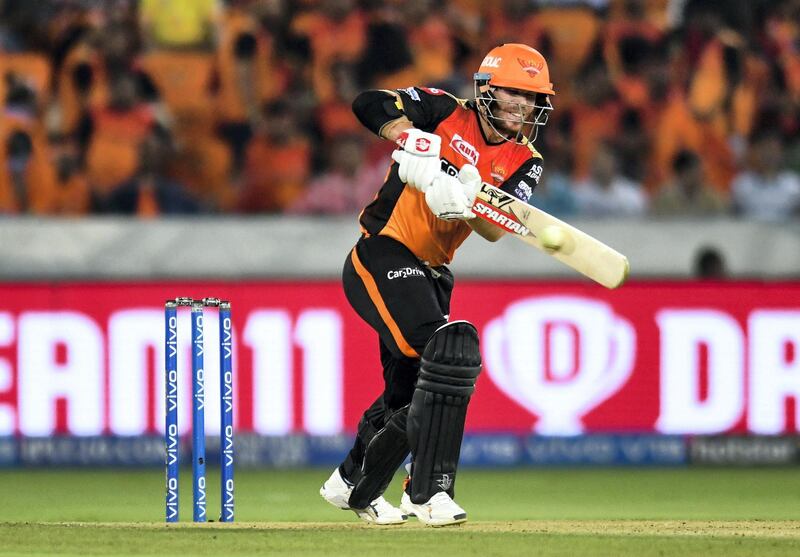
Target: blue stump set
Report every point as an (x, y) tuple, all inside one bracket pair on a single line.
[(198, 408)]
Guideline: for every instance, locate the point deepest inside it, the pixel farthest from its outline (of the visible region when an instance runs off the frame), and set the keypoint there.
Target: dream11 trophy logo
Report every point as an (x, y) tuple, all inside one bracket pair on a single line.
[(559, 357)]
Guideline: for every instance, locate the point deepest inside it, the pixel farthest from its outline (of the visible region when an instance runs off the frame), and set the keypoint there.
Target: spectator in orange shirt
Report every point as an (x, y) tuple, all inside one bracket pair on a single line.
[(26, 178), (335, 116), (431, 41), (115, 133), (628, 38), (508, 21), (386, 60), (239, 99), (31, 68), (675, 127), (26, 175), (336, 31), (632, 143), (595, 114), (634, 55), (81, 83), (348, 184), (277, 163), (83, 79), (782, 33), (150, 192), (72, 193), (248, 75), (19, 102), (571, 32)]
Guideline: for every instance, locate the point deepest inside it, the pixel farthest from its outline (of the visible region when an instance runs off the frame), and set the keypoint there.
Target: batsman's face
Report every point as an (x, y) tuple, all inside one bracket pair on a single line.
[(512, 107)]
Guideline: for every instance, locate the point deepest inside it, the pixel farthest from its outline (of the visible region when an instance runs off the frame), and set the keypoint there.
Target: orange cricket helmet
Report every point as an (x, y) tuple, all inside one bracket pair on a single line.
[(517, 66), (523, 69)]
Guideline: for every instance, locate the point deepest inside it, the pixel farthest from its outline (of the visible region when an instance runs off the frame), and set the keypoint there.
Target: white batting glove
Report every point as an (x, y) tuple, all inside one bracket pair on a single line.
[(447, 199), (471, 181), (419, 158)]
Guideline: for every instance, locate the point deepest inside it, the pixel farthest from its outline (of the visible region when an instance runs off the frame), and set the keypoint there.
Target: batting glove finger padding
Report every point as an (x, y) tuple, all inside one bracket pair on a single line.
[(447, 200), (470, 180), (418, 161)]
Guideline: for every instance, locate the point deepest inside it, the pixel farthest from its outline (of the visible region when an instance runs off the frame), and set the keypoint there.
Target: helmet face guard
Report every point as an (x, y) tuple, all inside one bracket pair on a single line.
[(528, 116)]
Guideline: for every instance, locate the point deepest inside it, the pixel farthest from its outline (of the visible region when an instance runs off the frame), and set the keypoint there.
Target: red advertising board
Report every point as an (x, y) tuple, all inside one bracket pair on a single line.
[(559, 358)]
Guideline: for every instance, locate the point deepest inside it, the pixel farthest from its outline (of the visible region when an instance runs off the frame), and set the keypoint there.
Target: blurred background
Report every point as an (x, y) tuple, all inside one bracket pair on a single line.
[(166, 148), (663, 107)]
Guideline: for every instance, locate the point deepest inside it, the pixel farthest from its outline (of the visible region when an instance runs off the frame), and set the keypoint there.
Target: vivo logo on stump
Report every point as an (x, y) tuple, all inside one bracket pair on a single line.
[(559, 357)]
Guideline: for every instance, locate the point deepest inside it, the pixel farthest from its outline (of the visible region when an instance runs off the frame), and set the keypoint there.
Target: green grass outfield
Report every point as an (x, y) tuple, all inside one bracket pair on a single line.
[(636, 512)]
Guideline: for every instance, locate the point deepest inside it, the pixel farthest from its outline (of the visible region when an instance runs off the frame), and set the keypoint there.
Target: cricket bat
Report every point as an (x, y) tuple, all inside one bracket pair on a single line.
[(585, 254)]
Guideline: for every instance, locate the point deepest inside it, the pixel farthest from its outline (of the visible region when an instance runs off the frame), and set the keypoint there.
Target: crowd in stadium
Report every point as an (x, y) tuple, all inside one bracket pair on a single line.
[(662, 107)]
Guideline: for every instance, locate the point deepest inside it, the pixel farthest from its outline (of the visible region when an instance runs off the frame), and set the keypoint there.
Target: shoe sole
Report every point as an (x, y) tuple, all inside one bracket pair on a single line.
[(369, 520), (376, 523), (457, 519), (332, 500)]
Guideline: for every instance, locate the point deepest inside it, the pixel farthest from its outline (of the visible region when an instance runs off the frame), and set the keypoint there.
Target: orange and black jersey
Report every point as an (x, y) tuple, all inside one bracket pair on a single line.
[(401, 212)]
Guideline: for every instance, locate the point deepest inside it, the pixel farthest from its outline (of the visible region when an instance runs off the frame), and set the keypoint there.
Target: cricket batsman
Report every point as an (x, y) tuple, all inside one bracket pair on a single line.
[(397, 280)]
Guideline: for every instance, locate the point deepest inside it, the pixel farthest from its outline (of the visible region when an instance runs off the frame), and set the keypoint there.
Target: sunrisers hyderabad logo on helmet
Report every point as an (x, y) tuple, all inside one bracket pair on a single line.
[(530, 67)]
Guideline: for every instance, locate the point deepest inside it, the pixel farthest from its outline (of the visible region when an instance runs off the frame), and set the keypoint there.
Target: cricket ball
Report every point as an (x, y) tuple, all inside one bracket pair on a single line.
[(552, 237)]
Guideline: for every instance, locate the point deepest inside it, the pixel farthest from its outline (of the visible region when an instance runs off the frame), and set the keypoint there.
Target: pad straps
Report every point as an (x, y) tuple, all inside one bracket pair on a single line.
[(384, 454), (451, 363)]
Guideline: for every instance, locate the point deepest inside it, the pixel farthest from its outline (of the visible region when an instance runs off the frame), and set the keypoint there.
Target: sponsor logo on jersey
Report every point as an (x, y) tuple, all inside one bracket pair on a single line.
[(466, 150), (432, 90), (523, 191), (535, 172), (449, 168), (500, 218), (405, 272), (492, 62), (411, 92), (530, 67)]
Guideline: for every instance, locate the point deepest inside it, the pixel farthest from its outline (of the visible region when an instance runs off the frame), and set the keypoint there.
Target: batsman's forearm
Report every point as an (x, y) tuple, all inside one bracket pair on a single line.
[(393, 129), (487, 230), (381, 111)]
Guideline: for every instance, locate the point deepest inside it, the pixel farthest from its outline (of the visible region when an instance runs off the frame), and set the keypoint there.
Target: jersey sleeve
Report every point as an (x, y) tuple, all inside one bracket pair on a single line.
[(426, 107), (525, 179)]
